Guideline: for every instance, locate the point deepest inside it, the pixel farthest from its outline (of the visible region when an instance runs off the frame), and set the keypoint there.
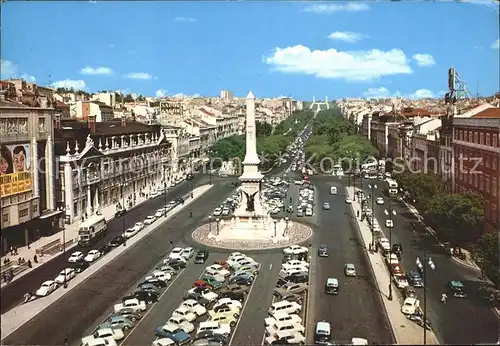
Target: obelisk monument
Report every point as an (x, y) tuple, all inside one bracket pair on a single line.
[(250, 205)]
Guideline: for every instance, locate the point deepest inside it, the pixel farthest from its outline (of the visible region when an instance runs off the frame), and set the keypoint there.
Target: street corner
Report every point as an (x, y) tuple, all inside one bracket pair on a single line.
[(204, 235)]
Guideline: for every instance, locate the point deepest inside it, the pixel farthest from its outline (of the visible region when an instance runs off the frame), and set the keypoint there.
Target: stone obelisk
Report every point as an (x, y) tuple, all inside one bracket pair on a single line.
[(250, 205)]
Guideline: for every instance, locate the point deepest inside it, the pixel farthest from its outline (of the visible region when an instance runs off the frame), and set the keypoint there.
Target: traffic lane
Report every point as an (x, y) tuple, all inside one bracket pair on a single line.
[(251, 327), (88, 301), (357, 311), (13, 294), (447, 320), (144, 332)]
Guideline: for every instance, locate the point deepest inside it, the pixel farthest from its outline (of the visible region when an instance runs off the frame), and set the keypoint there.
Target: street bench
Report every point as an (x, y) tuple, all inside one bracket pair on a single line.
[(50, 248), (16, 268)]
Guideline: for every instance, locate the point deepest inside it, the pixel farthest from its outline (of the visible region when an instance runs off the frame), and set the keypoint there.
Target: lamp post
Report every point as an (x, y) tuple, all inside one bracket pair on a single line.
[(209, 223), (286, 227), (122, 185), (373, 187), (423, 268), (217, 220), (275, 224), (210, 167), (63, 210), (389, 212)]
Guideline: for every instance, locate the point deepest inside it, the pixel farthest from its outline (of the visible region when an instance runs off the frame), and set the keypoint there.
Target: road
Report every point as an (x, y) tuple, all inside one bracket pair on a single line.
[(89, 302), (12, 294), (460, 321), (357, 310)]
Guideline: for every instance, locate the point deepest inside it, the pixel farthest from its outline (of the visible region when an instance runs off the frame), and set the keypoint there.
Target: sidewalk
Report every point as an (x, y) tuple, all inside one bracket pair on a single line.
[(468, 262), (405, 331), (71, 237)]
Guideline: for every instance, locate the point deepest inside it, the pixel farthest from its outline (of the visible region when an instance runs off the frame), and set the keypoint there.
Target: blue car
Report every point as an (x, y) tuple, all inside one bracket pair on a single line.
[(179, 336)]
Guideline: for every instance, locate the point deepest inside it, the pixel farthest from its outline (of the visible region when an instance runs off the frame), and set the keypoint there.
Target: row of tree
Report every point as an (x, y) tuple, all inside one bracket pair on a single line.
[(457, 218), (271, 142), (334, 141)]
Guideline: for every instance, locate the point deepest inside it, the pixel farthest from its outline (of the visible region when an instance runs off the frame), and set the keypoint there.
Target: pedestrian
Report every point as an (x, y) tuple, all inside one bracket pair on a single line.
[(29, 264), (28, 244), (35, 259), (4, 277), (11, 274), (12, 251), (15, 251)]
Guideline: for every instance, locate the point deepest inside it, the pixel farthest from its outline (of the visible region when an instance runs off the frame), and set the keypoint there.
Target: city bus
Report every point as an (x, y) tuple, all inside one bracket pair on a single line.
[(91, 230)]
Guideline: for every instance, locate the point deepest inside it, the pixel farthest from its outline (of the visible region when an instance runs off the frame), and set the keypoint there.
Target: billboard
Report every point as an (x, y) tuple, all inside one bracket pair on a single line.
[(15, 169)]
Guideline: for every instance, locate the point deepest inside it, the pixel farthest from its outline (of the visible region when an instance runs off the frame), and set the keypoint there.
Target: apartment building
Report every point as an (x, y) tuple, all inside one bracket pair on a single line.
[(28, 209), (476, 148), (226, 95), (83, 109)]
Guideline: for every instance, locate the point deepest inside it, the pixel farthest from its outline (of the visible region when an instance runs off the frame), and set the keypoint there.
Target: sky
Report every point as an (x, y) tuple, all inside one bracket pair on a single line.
[(333, 49)]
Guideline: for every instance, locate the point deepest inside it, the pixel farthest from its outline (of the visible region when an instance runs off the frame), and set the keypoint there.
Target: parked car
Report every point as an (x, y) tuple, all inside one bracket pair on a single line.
[(147, 296), (149, 220), (323, 251), (80, 266), (117, 322), (414, 279), (46, 288), (201, 257), (187, 253), (117, 241), (92, 255), (65, 275), (75, 257)]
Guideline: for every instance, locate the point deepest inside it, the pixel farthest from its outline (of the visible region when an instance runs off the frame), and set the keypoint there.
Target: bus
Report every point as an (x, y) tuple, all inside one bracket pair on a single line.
[(391, 187), (91, 230)]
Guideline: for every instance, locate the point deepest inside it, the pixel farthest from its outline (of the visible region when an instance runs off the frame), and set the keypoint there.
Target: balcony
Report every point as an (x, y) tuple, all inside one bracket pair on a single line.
[(93, 179)]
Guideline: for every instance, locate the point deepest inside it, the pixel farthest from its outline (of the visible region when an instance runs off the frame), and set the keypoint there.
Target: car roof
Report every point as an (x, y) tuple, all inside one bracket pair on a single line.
[(324, 326), (332, 281), (456, 283)]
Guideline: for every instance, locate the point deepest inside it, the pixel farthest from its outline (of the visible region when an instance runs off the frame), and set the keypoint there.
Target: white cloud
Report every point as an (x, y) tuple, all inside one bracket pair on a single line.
[(331, 8), (424, 59), (496, 44), (185, 19), (97, 71), (181, 95), (384, 93), (161, 93), (70, 83), (346, 36), (10, 70), (139, 75), (333, 64)]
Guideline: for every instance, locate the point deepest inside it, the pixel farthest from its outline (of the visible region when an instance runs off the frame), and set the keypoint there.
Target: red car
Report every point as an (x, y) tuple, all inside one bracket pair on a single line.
[(222, 263), (201, 283)]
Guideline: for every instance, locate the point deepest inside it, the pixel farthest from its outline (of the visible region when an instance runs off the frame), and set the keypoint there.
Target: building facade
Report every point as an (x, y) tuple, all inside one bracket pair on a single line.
[(476, 148), (107, 163), (27, 172)]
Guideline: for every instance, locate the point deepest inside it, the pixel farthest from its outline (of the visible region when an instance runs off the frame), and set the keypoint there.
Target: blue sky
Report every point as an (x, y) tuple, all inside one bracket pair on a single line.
[(338, 49)]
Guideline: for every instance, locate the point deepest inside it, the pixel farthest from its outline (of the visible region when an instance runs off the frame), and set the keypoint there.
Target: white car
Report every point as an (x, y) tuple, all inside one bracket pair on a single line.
[(160, 213), (181, 323), (215, 327), (206, 294), (400, 281), (389, 223), (218, 212), (133, 304), (309, 212), (104, 333), (187, 253), (149, 220), (185, 313), (139, 226), (233, 304), (410, 306), (234, 255), (130, 232), (92, 255), (217, 269), (46, 288), (295, 250), (75, 257), (379, 200), (282, 317), (154, 195), (164, 342), (176, 252), (348, 200), (160, 275), (65, 275), (293, 264), (194, 307), (291, 336)]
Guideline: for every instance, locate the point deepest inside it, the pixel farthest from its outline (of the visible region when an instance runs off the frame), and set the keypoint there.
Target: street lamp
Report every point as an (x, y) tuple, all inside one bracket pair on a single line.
[(390, 212), (210, 223), (286, 227), (217, 220), (62, 208), (275, 224), (210, 167), (122, 185), (423, 268), (165, 188), (373, 187)]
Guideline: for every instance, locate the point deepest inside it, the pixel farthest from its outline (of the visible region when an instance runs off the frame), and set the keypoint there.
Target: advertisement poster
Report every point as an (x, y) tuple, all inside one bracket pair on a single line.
[(15, 169)]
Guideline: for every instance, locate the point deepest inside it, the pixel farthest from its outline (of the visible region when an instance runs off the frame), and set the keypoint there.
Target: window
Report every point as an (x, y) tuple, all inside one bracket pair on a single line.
[(475, 137), (481, 138), (495, 140), (5, 218), (493, 186), (494, 164), (488, 139), (35, 209), (487, 159), (475, 180), (487, 184), (481, 183), (23, 213)]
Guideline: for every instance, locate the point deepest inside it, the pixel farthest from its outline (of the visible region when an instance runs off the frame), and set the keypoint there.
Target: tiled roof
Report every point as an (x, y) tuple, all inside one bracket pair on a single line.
[(488, 113), (11, 104), (206, 112)]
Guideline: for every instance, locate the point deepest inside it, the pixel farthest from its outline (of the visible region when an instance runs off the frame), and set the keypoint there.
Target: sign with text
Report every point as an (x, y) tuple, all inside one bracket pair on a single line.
[(15, 169)]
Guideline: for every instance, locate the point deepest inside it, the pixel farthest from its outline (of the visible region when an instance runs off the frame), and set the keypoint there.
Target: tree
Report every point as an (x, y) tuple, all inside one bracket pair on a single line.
[(486, 255), (141, 98), (229, 148), (263, 129), (128, 98), (118, 98), (457, 217)]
